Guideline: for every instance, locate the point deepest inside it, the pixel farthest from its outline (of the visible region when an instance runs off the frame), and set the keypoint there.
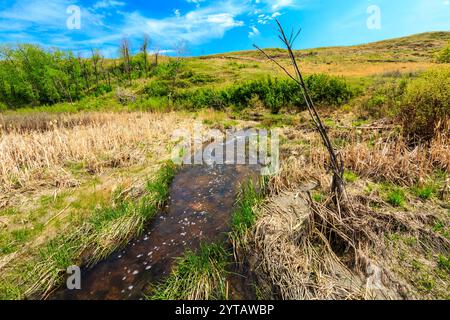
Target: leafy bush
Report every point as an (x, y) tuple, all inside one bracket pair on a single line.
[(157, 89), (273, 93), (426, 103), (202, 98), (328, 90), (443, 56), (171, 69), (383, 99)]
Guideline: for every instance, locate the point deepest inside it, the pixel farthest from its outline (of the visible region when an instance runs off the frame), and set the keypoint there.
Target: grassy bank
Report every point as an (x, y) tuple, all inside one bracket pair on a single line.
[(37, 271)]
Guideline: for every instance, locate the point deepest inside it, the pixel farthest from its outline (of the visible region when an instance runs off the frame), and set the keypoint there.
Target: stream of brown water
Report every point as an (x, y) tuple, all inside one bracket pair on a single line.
[(202, 199)]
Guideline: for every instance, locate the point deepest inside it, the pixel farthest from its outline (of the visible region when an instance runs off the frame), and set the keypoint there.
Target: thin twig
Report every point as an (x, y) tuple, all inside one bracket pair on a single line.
[(337, 165)]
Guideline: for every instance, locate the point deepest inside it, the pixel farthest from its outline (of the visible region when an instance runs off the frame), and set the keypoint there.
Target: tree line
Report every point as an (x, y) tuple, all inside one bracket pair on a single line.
[(32, 75)]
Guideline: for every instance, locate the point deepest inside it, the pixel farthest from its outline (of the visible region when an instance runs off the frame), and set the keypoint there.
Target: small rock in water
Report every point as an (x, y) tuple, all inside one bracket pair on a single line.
[(135, 272), (139, 256), (148, 267)]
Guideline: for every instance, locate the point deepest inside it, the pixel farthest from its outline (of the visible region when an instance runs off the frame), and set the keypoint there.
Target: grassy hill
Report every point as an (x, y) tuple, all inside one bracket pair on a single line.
[(72, 80), (407, 54)]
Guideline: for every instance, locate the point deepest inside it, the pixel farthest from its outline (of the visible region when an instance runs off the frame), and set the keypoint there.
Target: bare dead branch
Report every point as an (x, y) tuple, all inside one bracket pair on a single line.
[(336, 162)]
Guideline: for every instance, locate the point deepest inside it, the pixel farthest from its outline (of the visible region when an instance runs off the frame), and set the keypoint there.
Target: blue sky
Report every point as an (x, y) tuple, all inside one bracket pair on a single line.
[(210, 26)]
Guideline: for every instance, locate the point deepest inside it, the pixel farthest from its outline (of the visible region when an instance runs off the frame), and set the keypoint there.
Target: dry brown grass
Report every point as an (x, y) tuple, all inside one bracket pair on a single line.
[(294, 266), (381, 156), (303, 248), (30, 160), (42, 121)]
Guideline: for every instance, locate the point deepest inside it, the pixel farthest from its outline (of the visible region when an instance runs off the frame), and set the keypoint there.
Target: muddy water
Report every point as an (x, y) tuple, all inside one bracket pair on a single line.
[(202, 198)]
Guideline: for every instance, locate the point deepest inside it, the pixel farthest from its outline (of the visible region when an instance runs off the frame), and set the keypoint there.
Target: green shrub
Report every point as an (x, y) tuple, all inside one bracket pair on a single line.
[(383, 98), (199, 79), (443, 56), (167, 71), (157, 89), (273, 93), (426, 103), (328, 90), (202, 98)]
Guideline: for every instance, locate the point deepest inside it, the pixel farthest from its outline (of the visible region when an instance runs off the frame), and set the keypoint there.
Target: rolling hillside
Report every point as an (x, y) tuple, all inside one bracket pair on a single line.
[(407, 54)]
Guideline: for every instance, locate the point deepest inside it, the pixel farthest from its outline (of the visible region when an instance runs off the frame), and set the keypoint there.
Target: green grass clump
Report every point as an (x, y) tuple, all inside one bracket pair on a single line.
[(273, 94), (318, 197), (424, 192), (350, 176), (7, 244), (197, 276), (396, 197), (442, 229), (444, 263), (244, 216)]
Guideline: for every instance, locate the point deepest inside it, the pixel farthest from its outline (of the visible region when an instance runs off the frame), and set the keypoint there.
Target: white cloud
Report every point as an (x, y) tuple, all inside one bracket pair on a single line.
[(254, 32), (279, 4), (196, 2), (45, 16), (45, 21), (268, 10), (266, 18), (34, 11), (195, 27), (274, 5), (104, 4)]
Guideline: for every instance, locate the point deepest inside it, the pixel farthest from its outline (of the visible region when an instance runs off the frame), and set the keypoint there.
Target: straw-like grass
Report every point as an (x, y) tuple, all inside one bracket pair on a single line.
[(304, 247), (31, 160)]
